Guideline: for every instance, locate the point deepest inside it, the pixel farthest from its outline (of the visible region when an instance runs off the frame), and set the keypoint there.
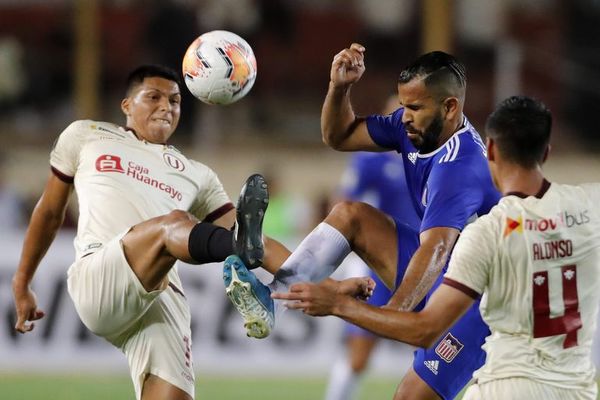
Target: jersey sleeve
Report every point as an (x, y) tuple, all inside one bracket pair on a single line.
[(64, 157), (472, 258), (454, 194), (212, 201), (387, 130)]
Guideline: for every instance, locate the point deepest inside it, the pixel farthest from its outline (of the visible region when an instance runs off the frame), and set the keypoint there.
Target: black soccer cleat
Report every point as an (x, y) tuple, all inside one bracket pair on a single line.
[(251, 207)]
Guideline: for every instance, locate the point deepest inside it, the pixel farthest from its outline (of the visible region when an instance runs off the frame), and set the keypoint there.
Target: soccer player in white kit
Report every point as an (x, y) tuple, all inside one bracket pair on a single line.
[(141, 203), (535, 262)]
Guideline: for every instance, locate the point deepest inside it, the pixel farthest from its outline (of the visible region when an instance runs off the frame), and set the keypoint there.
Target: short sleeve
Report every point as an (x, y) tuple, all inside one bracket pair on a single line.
[(387, 130), (211, 195), (454, 194), (64, 157), (473, 256)]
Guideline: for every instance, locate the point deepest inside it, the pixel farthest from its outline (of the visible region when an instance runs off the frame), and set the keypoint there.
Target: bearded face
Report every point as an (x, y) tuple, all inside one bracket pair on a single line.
[(424, 117), (427, 140)]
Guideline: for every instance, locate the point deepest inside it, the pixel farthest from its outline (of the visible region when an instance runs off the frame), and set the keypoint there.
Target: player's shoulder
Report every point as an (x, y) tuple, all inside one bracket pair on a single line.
[(88, 127), (589, 191), (197, 166), (490, 224), (576, 188)]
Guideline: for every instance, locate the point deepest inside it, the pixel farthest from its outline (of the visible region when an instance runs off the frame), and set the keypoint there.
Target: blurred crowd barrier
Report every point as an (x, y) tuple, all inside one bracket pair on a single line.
[(60, 342)]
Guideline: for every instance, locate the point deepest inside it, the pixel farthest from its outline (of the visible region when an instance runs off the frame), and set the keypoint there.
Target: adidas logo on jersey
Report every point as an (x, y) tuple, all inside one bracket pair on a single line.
[(412, 157), (432, 365)]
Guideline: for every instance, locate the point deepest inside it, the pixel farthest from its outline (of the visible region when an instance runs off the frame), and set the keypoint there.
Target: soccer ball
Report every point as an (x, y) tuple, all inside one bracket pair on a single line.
[(219, 67)]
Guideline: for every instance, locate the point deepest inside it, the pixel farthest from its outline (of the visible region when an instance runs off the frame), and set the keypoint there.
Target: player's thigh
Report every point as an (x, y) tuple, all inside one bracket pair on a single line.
[(413, 387), (360, 347), (372, 235), (160, 344), (156, 388), (152, 247), (107, 295)]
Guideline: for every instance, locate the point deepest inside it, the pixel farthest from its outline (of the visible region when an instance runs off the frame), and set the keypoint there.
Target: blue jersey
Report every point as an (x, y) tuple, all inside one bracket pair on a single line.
[(449, 186), (378, 179)]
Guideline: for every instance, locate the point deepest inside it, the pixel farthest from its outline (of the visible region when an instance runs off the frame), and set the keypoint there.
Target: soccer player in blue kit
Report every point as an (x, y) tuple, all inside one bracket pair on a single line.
[(377, 179), (449, 184)]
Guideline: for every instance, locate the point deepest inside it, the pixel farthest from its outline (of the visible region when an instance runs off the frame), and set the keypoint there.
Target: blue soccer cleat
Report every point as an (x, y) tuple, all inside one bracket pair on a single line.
[(250, 211), (250, 297)]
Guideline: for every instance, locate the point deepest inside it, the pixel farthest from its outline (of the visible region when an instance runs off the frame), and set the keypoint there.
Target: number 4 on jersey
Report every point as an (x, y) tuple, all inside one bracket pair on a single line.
[(570, 322)]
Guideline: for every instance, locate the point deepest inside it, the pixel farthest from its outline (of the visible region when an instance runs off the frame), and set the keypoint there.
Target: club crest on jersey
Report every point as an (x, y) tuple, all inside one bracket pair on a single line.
[(448, 348), (173, 162), (513, 225), (109, 163)]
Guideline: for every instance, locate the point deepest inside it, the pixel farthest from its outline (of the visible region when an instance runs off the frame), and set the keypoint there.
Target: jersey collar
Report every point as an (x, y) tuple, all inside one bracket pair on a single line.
[(128, 129), (538, 195), (466, 125)]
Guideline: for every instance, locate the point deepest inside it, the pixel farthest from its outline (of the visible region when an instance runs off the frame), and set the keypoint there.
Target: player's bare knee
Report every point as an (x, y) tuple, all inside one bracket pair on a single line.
[(359, 366), (346, 214), (166, 226), (177, 217)]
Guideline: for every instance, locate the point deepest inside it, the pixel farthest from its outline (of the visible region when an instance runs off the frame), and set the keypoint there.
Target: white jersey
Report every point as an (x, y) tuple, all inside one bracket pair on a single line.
[(121, 181), (536, 260)]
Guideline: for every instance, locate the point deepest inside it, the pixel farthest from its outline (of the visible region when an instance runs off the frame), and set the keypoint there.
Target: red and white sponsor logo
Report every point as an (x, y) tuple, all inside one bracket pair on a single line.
[(111, 163), (563, 219), (173, 162), (449, 347), (513, 225)]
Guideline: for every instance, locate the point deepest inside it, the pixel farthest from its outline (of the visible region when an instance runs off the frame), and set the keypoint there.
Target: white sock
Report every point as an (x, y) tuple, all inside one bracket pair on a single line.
[(315, 258), (343, 381)]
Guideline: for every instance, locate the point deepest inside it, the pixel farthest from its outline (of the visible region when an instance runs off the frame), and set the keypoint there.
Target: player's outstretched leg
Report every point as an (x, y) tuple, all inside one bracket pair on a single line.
[(247, 237), (250, 297)]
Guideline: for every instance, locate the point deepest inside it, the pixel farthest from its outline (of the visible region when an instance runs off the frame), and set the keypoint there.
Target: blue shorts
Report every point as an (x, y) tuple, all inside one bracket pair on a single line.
[(449, 364)]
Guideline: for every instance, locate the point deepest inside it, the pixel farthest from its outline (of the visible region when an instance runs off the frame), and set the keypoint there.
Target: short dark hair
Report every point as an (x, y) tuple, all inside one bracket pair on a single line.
[(440, 71), (137, 76), (521, 126)]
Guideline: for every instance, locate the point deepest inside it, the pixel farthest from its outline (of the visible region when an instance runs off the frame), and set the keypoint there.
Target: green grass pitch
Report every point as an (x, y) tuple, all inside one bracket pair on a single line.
[(91, 387)]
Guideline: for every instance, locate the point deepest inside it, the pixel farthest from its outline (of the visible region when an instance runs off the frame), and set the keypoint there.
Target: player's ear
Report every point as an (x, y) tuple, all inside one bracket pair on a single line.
[(491, 149), (546, 153), (451, 107), (125, 105)]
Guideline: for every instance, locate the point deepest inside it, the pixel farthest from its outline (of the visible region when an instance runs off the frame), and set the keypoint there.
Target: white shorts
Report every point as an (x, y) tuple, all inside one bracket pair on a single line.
[(526, 389), (151, 328)]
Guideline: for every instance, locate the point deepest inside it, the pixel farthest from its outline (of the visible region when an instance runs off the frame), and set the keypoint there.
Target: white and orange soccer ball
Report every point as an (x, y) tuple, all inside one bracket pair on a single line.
[(219, 67)]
